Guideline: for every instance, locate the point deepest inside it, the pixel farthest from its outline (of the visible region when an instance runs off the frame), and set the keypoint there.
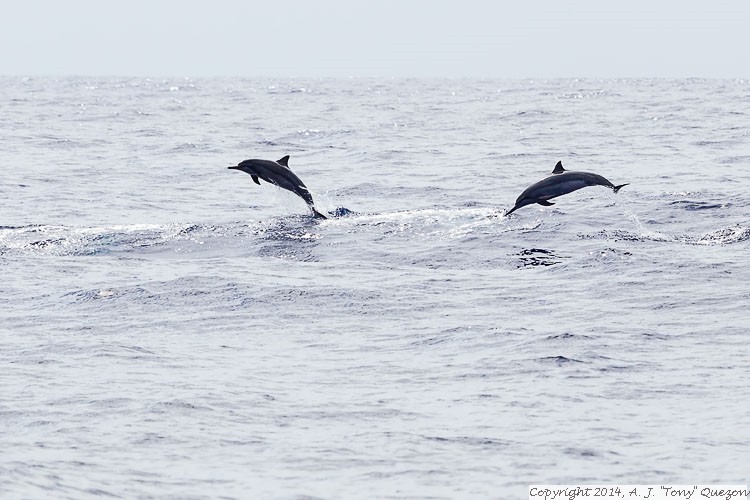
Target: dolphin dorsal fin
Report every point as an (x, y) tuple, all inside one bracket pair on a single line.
[(284, 162), (558, 168)]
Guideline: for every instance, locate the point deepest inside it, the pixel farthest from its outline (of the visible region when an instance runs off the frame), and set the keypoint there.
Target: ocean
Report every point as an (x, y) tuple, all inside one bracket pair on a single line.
[(169, 329)]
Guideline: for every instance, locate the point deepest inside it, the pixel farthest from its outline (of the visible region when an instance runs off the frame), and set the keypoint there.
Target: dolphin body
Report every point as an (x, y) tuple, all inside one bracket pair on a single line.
[(559, 183), (279, 174)]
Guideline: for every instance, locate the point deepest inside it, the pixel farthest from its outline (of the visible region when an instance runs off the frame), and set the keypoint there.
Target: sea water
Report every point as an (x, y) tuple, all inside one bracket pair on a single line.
[(170, 329)]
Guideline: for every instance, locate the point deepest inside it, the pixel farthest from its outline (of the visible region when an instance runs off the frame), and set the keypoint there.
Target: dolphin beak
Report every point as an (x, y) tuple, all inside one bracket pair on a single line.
[(233, 167)]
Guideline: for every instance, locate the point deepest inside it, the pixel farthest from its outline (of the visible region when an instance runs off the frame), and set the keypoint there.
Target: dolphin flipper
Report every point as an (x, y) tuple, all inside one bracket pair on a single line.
[(545, 203), (255, 179)]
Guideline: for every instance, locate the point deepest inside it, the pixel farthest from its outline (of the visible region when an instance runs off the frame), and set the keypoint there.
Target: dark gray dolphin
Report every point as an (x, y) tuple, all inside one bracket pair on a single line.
[(279, 174), (559, 183)]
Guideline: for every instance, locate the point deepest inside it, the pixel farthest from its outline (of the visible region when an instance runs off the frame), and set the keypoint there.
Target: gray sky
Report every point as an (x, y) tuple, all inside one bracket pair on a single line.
[(389, 38)]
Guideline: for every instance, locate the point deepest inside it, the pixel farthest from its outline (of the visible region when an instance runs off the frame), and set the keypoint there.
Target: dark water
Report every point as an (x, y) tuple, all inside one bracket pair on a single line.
[(170, 329)]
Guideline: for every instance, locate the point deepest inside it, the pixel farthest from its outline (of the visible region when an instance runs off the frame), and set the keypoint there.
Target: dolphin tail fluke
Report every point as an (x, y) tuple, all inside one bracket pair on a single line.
[(317, 214), (617, 188)]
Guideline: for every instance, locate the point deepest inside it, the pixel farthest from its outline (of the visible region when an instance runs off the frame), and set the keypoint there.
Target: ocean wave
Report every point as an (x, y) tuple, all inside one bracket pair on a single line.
[(87, 241), (723, 236)]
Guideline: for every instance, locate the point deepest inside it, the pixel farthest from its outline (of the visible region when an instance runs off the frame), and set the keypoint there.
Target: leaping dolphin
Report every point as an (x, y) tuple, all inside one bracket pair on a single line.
[(279, 174), (559, 183)]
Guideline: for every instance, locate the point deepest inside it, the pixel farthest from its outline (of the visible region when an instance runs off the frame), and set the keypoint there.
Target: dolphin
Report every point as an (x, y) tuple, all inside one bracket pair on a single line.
[(559, 183), (279, 174)]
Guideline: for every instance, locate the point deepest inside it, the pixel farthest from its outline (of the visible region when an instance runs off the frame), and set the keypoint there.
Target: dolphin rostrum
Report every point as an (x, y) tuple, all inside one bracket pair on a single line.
[(279, 174), (559, 183)]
